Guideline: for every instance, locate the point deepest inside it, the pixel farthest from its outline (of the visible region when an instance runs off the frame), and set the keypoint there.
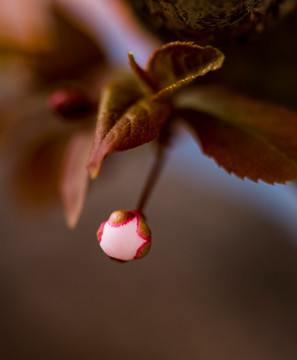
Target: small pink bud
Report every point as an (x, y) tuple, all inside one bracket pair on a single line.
[(70, 103), (125, 236)]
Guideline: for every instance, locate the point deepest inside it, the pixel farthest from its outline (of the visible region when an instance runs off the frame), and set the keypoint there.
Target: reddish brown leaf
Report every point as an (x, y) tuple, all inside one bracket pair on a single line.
[(126, 119), (149, 83), (131, 114), (247, 137), (177, 64), (74, 179), (141, 123), (115, 99)]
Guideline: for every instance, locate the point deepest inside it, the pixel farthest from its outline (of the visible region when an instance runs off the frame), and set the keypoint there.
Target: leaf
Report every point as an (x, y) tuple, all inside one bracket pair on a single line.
[(250, 138), (148, 82), (177, 64), (140, 124), (126, 119), (74, 179), (116, 97), (131, 114)]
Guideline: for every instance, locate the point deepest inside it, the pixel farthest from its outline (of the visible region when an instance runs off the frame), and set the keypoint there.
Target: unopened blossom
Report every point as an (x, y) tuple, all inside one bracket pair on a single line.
[(125, 236)]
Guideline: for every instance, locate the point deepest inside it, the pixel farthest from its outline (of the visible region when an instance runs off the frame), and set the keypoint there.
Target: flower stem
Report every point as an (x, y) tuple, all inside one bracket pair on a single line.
[(153, 177)]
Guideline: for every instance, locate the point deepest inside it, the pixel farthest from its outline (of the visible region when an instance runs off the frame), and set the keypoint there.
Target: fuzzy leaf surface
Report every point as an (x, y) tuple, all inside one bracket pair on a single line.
[(178, 63), (246, 137), (126, 119)]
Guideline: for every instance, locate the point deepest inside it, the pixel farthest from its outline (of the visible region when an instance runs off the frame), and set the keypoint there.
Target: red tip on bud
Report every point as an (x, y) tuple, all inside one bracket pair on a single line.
[(125, 236), (70, 103)]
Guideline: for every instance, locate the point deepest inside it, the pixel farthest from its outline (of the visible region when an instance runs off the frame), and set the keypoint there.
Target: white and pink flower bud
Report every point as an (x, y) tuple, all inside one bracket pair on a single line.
[(125, 236)]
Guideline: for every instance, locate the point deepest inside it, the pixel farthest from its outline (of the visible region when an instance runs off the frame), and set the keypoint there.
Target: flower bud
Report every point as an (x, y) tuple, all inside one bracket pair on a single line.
[(70, 103), (125, 236)]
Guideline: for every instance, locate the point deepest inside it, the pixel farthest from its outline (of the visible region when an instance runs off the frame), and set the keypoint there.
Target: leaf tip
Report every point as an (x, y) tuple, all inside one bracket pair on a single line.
[(71, 222), (94, 175), (93, 170), (131, 59)]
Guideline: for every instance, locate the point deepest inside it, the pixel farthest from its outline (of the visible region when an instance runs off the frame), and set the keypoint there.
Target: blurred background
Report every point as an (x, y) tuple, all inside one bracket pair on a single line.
[(220, 280)]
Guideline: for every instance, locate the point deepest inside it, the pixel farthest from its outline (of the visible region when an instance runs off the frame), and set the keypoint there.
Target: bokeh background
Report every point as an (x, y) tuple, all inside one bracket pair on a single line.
[(220, 281)]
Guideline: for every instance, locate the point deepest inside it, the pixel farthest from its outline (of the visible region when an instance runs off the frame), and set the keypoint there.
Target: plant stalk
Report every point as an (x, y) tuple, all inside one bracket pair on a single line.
[(153, 177)]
